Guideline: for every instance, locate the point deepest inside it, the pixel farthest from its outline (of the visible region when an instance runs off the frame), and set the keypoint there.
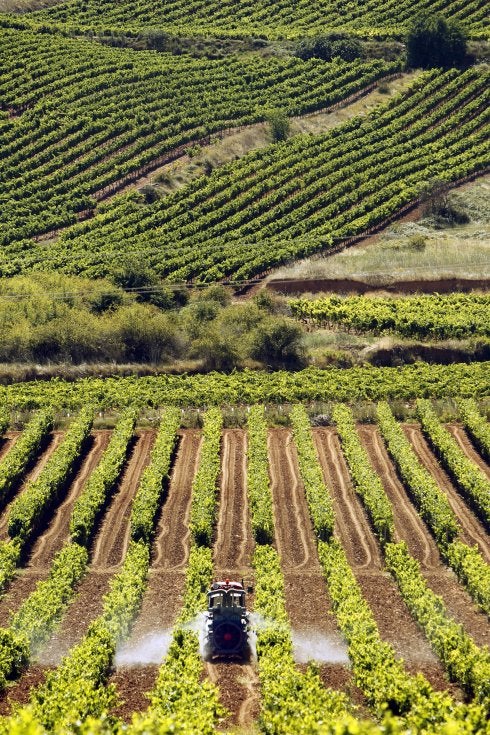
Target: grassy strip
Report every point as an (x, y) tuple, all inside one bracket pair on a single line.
[(259, 494), (102, 481), (319, 501), (476, 425), (467, 476), (149, 494), (30, 508), (204, 500), (366, 482), (430, 501), (467, 562), (464, 661), (18, 459)]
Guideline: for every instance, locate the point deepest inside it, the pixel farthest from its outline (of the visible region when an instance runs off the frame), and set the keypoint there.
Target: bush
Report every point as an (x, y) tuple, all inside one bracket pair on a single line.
[(434, 41), (329, 47), (278, 343)]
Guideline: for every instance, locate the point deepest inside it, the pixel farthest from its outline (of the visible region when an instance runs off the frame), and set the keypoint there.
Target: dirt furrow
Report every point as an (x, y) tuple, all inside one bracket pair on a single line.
[(237, 681), (110, 547), (315, 632), (294, 539), (472, 530), (232, 549), (351, 522), (34, 473), (409, 526), (465, 444), (114, 528), (52, 540), (395, 623), (172, 537), (138, 660)]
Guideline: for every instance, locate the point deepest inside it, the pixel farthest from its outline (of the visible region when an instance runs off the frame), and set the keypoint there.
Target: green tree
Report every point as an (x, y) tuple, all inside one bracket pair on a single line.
[(279, 125), (434, 41)]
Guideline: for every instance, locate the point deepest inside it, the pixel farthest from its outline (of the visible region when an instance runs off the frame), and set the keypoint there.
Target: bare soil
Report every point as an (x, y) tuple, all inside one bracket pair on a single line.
[(467, 447), (33, 474), (163, 596), (291, 286), (307, 601), (393, 618), (473, 531), (51, 541)]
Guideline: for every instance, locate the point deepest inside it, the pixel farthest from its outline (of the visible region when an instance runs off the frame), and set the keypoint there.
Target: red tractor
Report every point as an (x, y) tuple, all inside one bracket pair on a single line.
[(227, 624)]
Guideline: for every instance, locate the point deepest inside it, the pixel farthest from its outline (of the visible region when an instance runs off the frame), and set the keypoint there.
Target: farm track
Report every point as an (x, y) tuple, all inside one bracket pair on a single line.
[(465, 444), (394, 620), (237, 682), (473, 531), (307, 601), (33, 474), (163, 596), (51, 541)]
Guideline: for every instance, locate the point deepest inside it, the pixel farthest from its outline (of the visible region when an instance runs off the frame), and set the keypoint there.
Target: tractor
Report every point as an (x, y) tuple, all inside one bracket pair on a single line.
[(227, 623)]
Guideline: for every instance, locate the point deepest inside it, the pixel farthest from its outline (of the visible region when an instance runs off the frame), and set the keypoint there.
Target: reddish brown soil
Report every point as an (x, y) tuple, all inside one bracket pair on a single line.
[(114, 531), (349, 285), (34, 473), (465, 444), (472, 530), (7, 442), (18, 693), (307, 602), (50, 542), (393, 618), (409, 526), (163, 596), (237, 681)]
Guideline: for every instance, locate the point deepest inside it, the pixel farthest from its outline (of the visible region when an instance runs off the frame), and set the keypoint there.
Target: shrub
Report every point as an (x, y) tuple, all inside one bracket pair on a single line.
[(434, 41)]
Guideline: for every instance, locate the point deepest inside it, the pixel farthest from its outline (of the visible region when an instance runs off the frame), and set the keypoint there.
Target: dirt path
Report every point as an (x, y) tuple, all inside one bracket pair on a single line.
[(34, 473), (467, 447), (409, 526), (473, 531), (50, 542), (308, 604), (394, 620), (110, 548), (140, 657), (352, 525), (237, 681)]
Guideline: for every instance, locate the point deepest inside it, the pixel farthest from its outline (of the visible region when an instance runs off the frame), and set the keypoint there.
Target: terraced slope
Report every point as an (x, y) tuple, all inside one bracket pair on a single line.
[(291, 199), (286, 18)]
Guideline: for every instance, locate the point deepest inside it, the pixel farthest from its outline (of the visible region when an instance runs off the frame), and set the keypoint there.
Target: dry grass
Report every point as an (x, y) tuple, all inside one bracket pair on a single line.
[(415, 250), (22, 6)]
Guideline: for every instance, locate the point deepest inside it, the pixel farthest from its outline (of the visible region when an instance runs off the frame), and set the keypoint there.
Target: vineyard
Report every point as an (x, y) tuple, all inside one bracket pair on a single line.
[(360, 548), (123, 110), (292, 199), (424, 317), (258, 18)]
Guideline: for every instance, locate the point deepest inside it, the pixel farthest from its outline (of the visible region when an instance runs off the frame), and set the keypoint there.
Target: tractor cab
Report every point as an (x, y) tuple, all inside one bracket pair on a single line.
[(226, 632)]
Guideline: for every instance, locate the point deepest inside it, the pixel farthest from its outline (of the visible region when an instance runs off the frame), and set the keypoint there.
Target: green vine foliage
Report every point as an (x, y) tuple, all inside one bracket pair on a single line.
[(476, 425), (258, 480), (319, 500), (204, 487)]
